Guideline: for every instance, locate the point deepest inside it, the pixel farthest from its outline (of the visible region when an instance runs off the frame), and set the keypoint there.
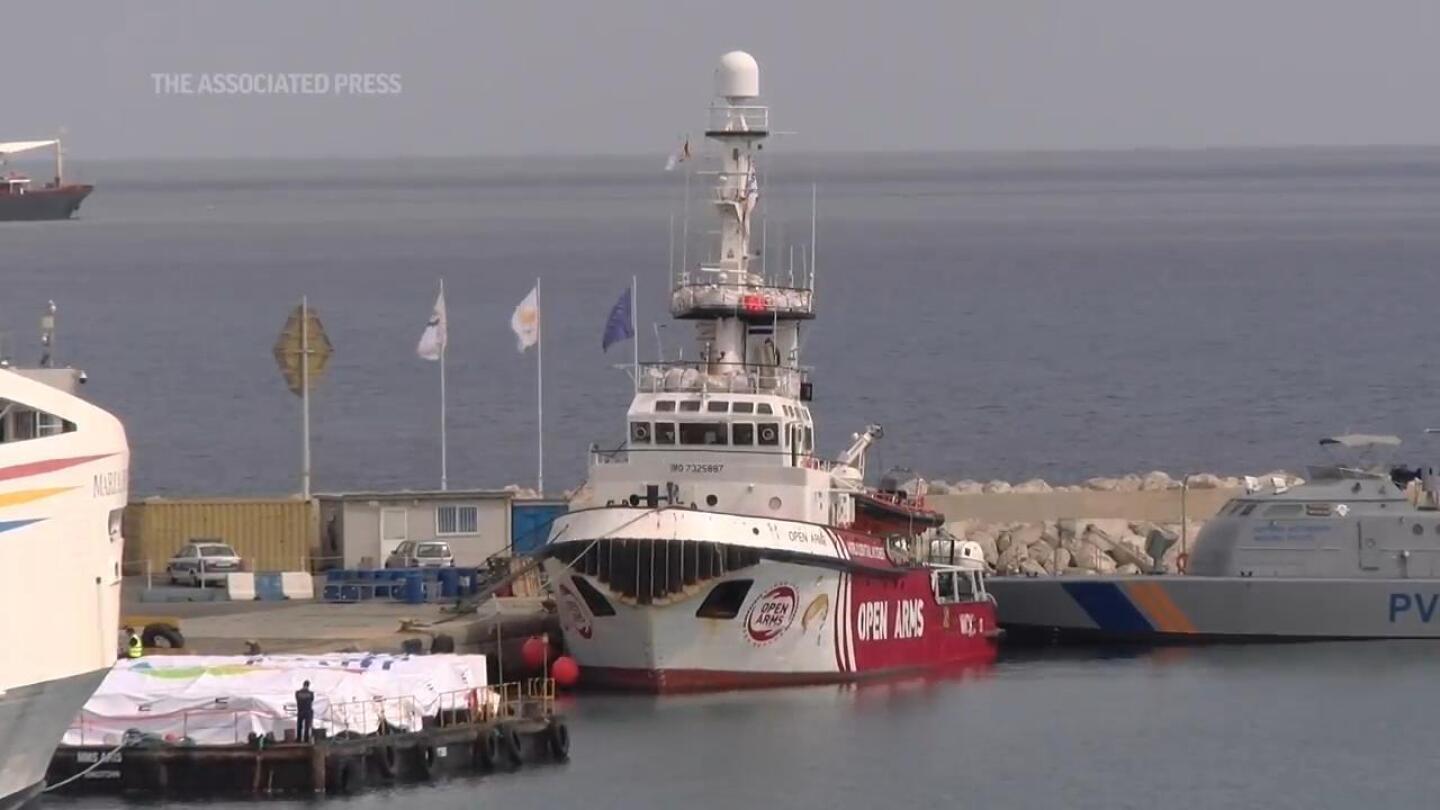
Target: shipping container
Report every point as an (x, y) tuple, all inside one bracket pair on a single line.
[(530, 524), (276, 534)]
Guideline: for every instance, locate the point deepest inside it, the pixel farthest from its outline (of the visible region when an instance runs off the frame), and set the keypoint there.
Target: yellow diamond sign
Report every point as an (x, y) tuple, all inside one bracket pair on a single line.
[(302, 337)]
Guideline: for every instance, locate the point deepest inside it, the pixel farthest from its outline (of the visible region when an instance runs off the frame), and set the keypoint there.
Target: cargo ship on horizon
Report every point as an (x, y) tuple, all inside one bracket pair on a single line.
[(21, 200)]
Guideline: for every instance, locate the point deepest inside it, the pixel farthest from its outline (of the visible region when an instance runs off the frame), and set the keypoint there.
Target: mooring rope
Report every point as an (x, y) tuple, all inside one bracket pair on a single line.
[(130, 738)]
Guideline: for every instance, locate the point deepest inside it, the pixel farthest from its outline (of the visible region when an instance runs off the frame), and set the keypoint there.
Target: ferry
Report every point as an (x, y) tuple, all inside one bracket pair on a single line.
[(21, 199), (64, 467), (714, 549)]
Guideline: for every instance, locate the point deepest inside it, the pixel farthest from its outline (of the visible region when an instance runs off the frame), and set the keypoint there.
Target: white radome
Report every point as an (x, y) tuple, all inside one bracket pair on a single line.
[(738, 76)]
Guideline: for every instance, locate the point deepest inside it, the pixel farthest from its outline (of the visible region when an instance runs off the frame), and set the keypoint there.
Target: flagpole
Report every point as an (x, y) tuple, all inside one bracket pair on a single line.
[(305, 398), (539, 394), (635, 326), (444, 444)]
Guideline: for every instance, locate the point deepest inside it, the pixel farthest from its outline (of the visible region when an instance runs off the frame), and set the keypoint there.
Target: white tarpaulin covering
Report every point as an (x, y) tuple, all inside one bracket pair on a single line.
[(221, 700), (12, 147)]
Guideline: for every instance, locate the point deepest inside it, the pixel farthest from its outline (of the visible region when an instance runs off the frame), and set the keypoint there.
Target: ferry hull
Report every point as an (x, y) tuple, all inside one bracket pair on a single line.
[(1179, 609), (43, 204), (32, 720), (783, 622)]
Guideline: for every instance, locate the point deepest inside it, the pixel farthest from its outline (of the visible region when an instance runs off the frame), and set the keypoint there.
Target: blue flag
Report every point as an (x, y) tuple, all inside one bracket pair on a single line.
[(618, 326)]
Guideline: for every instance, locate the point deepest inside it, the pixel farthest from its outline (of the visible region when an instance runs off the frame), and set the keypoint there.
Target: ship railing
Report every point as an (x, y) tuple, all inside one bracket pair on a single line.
[(709, 377), (738, 118), (753, 298)]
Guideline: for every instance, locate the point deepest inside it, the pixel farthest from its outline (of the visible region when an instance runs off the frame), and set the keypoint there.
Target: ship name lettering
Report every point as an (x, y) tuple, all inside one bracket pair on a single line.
[(870, 621), (910, 619), (108, 483), (1423, 605), (802, 536)]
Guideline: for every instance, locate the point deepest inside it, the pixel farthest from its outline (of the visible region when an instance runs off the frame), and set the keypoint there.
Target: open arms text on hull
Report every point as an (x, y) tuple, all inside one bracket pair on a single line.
[(714, 549)]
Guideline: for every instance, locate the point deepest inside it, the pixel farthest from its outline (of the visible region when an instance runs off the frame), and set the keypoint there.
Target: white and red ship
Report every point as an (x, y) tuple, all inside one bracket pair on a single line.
[(714, 549)]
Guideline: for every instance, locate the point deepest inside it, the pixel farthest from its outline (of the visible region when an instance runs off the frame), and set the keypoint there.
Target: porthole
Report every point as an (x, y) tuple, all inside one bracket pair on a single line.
[(1418, 529), (775, 502), (711, 500)]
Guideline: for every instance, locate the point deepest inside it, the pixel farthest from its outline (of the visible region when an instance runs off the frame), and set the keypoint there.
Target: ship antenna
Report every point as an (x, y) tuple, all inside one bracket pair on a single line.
[(813, 198)]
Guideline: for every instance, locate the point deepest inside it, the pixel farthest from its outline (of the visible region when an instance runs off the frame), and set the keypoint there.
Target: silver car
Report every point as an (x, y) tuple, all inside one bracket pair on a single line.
[(200, 563), (421, 554)]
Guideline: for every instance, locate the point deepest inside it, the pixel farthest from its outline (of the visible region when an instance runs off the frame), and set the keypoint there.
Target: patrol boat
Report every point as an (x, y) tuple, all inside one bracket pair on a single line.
[(1353, 553), (715, 549), (64, 465)]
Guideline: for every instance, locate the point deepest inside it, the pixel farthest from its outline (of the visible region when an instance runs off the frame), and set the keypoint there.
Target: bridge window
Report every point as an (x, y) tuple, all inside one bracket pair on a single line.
[(665, 406), (809, 438), (1283, 510), (690, 405), (596, 601), (743, 407), (717, 406), (703, 433), (763, 407), (769, 434), (639, 432), (743, 433), (664, 432)]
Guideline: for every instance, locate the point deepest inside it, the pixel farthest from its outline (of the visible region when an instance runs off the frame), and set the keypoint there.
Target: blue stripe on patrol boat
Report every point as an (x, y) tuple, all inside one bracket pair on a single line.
[(1108, 607)]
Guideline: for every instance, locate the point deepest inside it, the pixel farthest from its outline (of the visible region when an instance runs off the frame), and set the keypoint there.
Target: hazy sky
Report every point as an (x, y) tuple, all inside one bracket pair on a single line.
[(626, 76)]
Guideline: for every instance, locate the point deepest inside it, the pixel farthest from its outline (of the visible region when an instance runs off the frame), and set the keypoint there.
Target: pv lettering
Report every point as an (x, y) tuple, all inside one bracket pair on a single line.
[(1419, 604)]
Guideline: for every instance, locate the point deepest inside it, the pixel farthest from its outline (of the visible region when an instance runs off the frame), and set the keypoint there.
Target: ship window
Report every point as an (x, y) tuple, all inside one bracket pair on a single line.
[(1417, 529), (743, 407), (809, 438), (712, 433), (725, 600), (664, 432), (1249, 507), (945, 586), (639, 432), (743, 433), (1283, 510), (19, 422), (769, 434), (690, 405), (1317, 510), (717, 406), (596, 601), (763, 407), (665, 406)]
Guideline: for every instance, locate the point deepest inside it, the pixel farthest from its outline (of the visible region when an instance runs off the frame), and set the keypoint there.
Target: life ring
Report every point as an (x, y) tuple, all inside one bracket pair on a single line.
[(510, 747), (767, 434), (558, 738), (1182, 563), (485, 753), (386, 760), (427, 760)]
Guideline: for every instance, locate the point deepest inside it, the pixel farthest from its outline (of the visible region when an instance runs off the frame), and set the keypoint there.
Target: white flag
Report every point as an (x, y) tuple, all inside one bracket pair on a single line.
[(432, 342), (526, 321)]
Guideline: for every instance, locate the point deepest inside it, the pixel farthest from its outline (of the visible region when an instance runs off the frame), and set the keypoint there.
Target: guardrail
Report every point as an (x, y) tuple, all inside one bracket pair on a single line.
[(719, 377)]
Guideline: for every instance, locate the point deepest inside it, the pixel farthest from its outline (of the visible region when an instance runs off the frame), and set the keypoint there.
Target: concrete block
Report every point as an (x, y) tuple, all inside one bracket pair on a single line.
[(240, 587), (297, 585)]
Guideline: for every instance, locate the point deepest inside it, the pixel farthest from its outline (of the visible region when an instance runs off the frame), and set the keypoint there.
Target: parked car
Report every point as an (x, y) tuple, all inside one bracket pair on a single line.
[(421, 554), (200, 563)]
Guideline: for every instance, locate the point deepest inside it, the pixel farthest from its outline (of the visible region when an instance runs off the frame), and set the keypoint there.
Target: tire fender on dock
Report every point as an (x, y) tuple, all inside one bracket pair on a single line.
[(386, 760), (485, 753), (426, 757), (511, 747), (557, 736)]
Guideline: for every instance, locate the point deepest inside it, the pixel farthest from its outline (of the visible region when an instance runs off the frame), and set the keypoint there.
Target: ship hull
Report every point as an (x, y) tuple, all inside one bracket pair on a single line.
[(32, 720), (1187, 609), (61, 499), (43, 204), (701, 613)]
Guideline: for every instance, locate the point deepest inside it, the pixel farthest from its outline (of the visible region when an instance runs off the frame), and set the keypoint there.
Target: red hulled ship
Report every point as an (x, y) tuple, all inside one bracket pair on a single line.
[(714, 549), (21, 199)]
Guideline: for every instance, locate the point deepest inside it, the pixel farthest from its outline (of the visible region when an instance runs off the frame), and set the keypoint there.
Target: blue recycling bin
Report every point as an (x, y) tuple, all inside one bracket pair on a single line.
[(414, 588), (449, 582)]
